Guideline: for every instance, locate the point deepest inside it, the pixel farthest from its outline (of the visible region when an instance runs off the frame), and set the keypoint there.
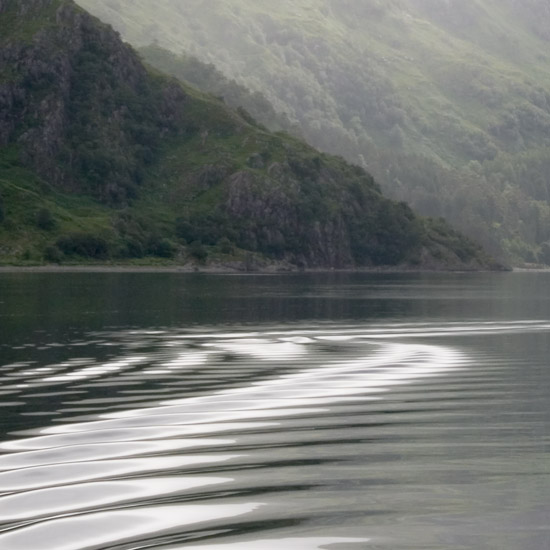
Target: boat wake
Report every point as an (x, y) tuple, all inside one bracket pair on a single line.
[(239, 440)]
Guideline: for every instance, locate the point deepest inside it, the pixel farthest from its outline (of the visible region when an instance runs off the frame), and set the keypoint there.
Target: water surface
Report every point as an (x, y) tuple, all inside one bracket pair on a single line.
[(257, 412)]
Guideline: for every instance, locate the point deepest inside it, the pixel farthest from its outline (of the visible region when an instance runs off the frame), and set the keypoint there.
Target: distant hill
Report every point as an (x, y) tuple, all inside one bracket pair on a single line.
[(446, 102), (102, 159)]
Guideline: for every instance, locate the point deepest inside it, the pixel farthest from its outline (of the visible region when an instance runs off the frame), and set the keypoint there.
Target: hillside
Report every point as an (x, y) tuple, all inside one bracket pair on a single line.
[(446, 103), (104, 160)]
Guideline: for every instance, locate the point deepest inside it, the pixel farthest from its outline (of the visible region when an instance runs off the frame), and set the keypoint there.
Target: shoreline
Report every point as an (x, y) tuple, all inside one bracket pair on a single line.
[(223, 269)]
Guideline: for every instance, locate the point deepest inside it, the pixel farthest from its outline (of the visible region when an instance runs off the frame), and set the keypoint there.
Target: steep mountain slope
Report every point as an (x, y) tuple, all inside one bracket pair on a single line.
[(447, 103), (100, 158)]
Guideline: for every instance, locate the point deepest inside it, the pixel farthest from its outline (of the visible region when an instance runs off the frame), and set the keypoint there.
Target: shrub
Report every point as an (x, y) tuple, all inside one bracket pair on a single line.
[(226, 246), (163, 248), (185, 230), (86, 245), (27, 255), (130, 248), (134, 248), (198, 251), (44, 219), (207, 228), (52, 254)]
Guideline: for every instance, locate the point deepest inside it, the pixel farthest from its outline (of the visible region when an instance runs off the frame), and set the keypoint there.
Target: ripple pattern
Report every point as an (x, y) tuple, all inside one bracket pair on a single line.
[(298, 438)]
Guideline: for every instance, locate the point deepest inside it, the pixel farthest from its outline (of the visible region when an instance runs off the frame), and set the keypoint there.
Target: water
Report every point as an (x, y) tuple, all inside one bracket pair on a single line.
[(340, 411)]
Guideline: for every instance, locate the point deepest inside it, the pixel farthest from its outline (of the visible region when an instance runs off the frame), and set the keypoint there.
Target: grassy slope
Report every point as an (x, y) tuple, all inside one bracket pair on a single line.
[(382, 81)]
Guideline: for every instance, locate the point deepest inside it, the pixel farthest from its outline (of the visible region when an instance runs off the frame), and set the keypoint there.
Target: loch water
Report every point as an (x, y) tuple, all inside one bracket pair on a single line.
[(274, 412)]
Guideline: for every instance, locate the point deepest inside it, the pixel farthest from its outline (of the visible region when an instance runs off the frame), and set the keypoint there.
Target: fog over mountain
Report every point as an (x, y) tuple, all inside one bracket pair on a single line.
[(447, 103)]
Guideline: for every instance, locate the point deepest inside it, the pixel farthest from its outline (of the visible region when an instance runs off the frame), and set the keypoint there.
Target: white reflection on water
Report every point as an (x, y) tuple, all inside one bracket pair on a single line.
[(92, 495), (83, 453), (106, 436), (55, 472), (59, 474), (91, 530), (97, 370), (262, 348), (391, 364)]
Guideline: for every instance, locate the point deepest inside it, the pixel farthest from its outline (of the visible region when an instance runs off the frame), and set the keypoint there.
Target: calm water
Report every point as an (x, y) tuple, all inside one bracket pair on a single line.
[(354, 411)]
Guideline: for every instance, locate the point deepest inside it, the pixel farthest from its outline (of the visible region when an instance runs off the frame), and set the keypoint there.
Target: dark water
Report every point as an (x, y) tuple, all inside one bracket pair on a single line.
[(302, 412)]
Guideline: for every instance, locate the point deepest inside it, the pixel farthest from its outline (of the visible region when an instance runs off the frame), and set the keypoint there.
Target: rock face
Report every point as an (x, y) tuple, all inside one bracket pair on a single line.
[(87, 117), (79, 102), (282, 228)]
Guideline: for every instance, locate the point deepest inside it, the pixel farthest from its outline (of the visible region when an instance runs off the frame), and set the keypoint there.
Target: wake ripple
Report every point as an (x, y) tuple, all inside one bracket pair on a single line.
[(253, 425)]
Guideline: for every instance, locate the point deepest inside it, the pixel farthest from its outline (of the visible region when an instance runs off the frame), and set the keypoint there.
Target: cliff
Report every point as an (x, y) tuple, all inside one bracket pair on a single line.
[(77, 101), (103, 158)]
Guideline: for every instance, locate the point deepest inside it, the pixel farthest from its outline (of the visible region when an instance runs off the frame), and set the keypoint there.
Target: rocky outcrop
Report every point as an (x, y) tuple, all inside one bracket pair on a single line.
[(278, 223), (70, 102), (23, 8)]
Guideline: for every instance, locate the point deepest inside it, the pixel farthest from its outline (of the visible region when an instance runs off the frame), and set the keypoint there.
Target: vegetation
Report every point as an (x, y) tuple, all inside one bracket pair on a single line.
[(206, 77), (102, 160), (446, 103)]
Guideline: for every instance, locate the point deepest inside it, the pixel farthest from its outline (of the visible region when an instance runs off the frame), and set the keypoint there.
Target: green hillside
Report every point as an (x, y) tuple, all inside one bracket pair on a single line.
[(446, 103), (102, 159)]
